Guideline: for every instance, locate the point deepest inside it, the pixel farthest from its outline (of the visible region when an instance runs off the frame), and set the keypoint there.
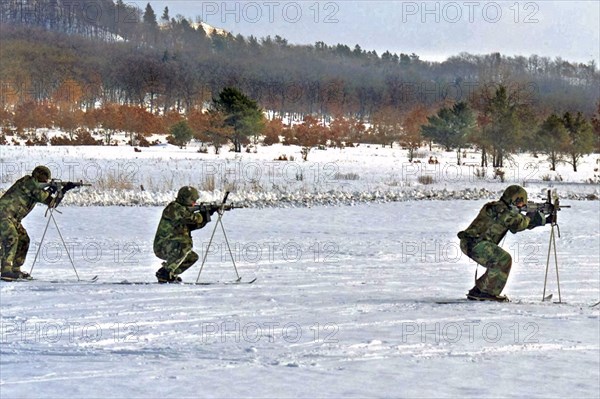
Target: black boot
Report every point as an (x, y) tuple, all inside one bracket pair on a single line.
[(164, 276), (475, 294), (15, 276)]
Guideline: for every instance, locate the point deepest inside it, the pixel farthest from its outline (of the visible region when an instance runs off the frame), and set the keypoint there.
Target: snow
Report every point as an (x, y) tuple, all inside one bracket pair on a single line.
[(344, 304), (347, 176)]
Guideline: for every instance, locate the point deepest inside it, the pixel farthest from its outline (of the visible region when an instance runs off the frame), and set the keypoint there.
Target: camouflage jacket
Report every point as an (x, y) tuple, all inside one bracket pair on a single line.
[(177, 223), (21, 197), (493, 222)]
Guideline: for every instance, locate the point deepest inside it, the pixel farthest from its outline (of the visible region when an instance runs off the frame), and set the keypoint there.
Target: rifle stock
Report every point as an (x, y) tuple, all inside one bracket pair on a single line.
[(57, 186)]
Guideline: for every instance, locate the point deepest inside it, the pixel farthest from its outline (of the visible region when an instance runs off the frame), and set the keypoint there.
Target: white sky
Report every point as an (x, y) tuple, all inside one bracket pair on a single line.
[(432, 29)]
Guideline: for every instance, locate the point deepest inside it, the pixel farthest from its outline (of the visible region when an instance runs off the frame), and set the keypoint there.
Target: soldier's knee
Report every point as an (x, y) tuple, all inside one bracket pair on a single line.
[(505, 263), (24, 240)]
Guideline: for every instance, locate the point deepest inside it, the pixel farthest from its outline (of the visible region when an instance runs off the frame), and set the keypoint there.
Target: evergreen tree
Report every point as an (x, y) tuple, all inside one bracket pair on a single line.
[(241, 113), (451, 127), (150, 25), (580, 140), (165, 16), (508, 115), (181, 133), (551, 139), (150, 17)]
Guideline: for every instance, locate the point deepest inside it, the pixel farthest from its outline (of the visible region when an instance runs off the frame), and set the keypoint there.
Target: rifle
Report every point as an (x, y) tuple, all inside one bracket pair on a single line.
[(549, 208), (219, 208), (212, 207), (59, 188)]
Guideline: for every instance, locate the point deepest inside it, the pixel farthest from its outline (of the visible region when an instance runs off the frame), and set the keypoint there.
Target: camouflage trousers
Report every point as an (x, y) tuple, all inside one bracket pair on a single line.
[(14, 245), (496, 260), (178, 255)]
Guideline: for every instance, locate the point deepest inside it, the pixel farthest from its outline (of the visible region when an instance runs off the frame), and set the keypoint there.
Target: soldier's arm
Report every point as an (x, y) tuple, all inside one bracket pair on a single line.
[(197, 220), (181, 215), (536, 219), (33, 189), (514, 221)]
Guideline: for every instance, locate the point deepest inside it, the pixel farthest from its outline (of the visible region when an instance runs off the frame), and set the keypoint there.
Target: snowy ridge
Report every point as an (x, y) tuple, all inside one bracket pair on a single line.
[(365, 174), (249, 199)]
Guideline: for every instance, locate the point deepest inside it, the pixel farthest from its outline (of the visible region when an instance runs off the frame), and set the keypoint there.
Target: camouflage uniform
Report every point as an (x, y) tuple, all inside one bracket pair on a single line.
[(16, 203), (173, 240), (480, 240)]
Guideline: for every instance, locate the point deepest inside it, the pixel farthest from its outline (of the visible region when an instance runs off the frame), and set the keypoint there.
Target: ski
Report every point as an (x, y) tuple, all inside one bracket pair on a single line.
[(23, 280), (127, 282), (224, 282), (452, 301), (466, 300), (91, 280)]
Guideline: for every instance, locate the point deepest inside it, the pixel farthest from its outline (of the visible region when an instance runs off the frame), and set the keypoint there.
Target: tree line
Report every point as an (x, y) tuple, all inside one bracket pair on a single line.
[(499, 124), (126, 70)]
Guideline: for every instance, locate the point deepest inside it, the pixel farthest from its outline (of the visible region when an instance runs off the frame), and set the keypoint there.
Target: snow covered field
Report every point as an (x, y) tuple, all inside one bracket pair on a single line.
[(351, 251), (344, 306), (347, 176)]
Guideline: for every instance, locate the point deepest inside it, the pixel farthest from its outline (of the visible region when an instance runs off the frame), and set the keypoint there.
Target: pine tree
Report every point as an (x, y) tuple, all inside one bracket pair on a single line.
[(241, 113), (551, 139), (580, 140), (451, 127), (507, 116), (165, 16), (150, 24), (181, 133)]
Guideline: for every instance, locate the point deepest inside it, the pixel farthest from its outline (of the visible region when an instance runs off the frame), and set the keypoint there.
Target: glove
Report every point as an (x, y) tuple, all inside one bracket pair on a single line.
[(51, 189), (68, 186), (536, 219), (550, 218)]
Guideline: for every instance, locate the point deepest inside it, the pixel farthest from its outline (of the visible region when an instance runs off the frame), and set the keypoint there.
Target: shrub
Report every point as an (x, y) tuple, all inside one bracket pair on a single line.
[(425, 179)]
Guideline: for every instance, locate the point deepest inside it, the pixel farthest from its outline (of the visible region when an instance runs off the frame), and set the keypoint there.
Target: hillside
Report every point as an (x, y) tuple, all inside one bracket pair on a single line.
[(130, 56)]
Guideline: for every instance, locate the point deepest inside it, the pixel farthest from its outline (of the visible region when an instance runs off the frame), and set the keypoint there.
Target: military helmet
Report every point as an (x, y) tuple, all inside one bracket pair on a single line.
[(514, 194), (187, 195), (41, 173)]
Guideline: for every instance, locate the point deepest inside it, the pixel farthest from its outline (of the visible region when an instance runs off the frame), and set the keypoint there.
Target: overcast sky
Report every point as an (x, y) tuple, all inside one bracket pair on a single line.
[(432, 29)]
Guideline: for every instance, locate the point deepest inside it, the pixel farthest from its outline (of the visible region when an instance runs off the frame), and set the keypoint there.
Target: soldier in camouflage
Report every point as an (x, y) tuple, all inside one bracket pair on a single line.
[(173, 240), (16, 203), (480, 240)]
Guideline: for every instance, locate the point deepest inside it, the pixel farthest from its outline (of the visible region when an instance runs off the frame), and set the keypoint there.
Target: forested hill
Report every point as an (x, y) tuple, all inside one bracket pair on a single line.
[(115, 53)]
